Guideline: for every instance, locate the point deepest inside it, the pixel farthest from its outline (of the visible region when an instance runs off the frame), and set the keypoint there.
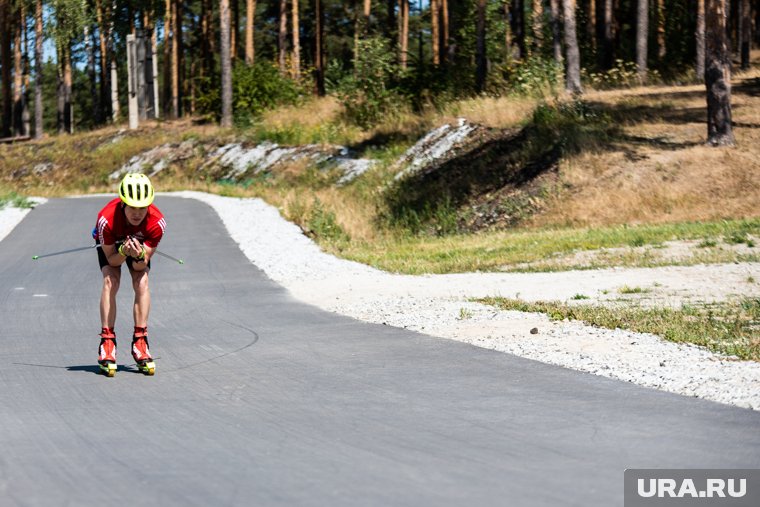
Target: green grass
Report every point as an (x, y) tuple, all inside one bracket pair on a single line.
[(549, 249), (731, 328), (14, 200), (632, 290)]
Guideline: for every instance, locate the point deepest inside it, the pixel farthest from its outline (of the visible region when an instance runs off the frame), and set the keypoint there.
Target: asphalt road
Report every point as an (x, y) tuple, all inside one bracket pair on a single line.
[(261, 400)]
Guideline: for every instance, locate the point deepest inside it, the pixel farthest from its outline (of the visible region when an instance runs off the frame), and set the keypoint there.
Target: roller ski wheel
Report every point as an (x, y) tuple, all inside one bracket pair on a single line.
[(147, 367), (108, 369)]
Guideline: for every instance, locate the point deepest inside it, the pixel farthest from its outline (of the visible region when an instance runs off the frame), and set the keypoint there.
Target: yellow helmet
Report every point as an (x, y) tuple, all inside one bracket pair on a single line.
[(136, 190)]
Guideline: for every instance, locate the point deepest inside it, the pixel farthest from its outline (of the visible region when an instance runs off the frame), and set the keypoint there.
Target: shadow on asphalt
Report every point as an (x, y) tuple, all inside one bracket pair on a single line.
[(92, 368)]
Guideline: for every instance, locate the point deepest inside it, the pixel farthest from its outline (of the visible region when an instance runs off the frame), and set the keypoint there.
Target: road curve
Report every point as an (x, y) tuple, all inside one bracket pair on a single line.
[(261, 400)]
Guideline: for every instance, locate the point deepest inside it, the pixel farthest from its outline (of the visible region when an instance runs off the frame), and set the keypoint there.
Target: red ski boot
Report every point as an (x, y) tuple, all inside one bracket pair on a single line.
[(107, 352), (141, 351)]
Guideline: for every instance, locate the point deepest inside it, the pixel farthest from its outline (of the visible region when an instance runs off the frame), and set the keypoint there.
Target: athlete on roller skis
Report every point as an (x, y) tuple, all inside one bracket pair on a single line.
[(128, 230)]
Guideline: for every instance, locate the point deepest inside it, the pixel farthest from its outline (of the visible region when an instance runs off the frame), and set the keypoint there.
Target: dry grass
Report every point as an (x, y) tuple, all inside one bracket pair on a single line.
[(309, 115), (491, 112), (661, 171)]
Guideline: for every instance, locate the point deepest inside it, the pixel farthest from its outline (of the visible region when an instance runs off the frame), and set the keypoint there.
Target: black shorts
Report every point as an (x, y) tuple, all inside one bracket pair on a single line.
[(104, 262)]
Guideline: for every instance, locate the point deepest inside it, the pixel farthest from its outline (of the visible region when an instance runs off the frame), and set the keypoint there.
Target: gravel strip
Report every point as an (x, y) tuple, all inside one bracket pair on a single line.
[(438, 305), (10, 216)]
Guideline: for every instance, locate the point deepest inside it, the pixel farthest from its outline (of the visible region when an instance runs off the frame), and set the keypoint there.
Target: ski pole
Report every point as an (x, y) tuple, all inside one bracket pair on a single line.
[(35, 257), (180, 261)]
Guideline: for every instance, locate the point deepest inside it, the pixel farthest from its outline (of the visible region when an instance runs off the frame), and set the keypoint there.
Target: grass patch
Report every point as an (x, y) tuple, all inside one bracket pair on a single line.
[(727, 328), (707, 243), (545, 250), (14, 200), (632, 290)]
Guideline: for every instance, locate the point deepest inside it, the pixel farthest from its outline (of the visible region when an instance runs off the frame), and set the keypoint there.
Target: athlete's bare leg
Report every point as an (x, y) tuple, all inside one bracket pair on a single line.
[(141, 308), (111, 279)]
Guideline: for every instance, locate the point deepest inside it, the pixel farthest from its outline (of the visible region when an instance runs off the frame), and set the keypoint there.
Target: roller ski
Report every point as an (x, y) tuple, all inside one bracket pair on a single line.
[(107, 352), (141, 351)]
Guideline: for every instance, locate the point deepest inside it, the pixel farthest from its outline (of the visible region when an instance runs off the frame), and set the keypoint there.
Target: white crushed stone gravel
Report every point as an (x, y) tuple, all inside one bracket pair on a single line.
[(438, 305), (10, 216)]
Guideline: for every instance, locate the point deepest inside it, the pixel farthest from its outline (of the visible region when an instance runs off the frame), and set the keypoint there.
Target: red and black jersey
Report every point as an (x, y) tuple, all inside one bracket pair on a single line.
[(112, 225)]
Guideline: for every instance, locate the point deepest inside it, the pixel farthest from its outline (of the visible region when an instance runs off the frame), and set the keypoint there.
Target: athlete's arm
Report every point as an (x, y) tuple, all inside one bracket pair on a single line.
[(113, 256), (139, 263)]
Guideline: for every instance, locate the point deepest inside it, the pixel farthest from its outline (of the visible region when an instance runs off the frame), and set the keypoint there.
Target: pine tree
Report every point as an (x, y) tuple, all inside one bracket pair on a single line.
[(226, 63), (573, 59), (717, 75), (642, 32), (250, 14)]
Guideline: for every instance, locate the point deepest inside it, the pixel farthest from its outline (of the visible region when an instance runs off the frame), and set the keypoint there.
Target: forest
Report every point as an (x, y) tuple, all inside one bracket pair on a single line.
[(63, 62)]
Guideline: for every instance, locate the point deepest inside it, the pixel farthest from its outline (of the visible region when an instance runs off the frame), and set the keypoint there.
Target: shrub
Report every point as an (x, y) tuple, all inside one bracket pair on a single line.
[(535, 77), (323, 224), (259, 87), (367, 94)]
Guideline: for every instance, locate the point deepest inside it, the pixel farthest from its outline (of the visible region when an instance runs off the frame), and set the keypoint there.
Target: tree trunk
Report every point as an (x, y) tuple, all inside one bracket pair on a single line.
[(181, 81), (642, 32), (60, 96), (102, 39), (175, 59), (38, 54), (224, 15), (480, 51), (403, 33), (573, 72), (26, 79), (717, 75), (444, 31), (556, 16), (167, 56), (207, 65), (518, 9), (250, 14), (154, 66), (65, 110), (68, 108), (150, 79), (319, 73), (296, 42), (661, 49), (283, 37), (507, 30), (366, 13), (745, 32), (115, 108), (608, 54), (91, 73), (537, 25), (5, 63), (18, 73), (700, 40), (591, 25), (234, 29), (434, 32)]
